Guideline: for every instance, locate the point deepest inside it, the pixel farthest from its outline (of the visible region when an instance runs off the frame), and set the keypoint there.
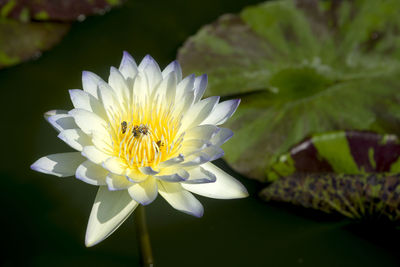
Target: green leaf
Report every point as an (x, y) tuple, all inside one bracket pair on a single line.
[(350, 152), (59, 10), (23, 37), (361, 196), (21, 41), (300, 67)]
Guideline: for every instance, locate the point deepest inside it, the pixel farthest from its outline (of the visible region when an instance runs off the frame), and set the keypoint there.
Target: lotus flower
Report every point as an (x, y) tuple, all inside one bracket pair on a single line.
[(145, 132)]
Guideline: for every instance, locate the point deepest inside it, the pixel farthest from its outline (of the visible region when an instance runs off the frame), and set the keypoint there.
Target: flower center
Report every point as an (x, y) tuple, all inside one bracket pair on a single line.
[(146, 136)]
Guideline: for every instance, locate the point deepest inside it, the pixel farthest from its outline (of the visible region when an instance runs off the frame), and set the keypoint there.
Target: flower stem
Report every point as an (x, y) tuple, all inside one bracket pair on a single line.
[(143, 237)]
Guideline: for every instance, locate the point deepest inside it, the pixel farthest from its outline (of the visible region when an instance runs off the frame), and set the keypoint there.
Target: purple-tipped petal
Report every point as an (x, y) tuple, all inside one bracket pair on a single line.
[(179, 176), (200, 175), (128, 66), (62, 122), (222, 112), (174, 67), (152, 71), (61, 164), (221, 136)]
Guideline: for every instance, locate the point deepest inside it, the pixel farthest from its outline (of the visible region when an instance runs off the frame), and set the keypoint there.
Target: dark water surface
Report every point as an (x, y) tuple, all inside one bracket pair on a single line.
[(44, 217)]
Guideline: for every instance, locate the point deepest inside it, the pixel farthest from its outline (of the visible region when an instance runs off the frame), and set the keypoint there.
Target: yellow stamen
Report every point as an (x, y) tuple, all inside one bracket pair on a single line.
[(147, 135)]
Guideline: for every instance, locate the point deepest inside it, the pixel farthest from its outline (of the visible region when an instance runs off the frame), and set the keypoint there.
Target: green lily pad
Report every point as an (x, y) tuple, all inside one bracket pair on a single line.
[(22, 41), (350, 152), (360, 196), (28, 28), (300, 68), (60, 10)]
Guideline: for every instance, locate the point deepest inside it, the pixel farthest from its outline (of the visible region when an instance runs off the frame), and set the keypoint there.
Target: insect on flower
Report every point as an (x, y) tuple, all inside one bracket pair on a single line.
[(124, 125), (144, 132)]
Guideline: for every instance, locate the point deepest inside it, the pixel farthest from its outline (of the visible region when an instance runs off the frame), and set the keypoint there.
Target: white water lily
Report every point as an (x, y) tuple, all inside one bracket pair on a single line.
[(143, 132)]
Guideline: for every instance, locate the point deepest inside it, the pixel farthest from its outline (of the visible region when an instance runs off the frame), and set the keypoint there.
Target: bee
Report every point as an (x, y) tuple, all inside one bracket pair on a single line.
[(124, 125), (159, 144), (140, 130)]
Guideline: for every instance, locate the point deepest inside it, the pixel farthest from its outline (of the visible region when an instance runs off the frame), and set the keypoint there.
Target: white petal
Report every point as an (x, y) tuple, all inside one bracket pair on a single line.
[(186, 85), (83, 100), (120, 87), (91, 173), (88, 121), (61, 165), (94, 155), (175, 68), (90, 82), (213, 152), (144, 192), (135, 176), (128, 67), (200, 156), (117, 182), (180, 158), (196, 159), (167, 89), (148, 170), (183, 105), (200, 85), (178, 175), (62, 122), (198, 112), (109, 211), (222, 112), (140, 88), (115, 165), (200, 175), (193, 145), (103, 142), (152, 71), (201, 132), (54, 112), (225, 187), (180, 199), (110, 100), (75, 138), (221, 136)]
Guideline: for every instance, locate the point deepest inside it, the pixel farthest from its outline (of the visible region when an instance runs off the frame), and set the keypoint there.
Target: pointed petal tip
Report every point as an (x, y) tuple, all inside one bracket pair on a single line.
[(38, 167), (126, 54), (91, 241), (197, 214), (145, 203), (85, 73), (53, 112), (35, 166), (112, 69), (109, 211), (204, 76), (148, 57), (243, 194)]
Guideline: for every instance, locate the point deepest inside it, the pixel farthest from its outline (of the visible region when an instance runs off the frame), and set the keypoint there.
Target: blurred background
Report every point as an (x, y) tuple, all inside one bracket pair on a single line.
[(44, 218)]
